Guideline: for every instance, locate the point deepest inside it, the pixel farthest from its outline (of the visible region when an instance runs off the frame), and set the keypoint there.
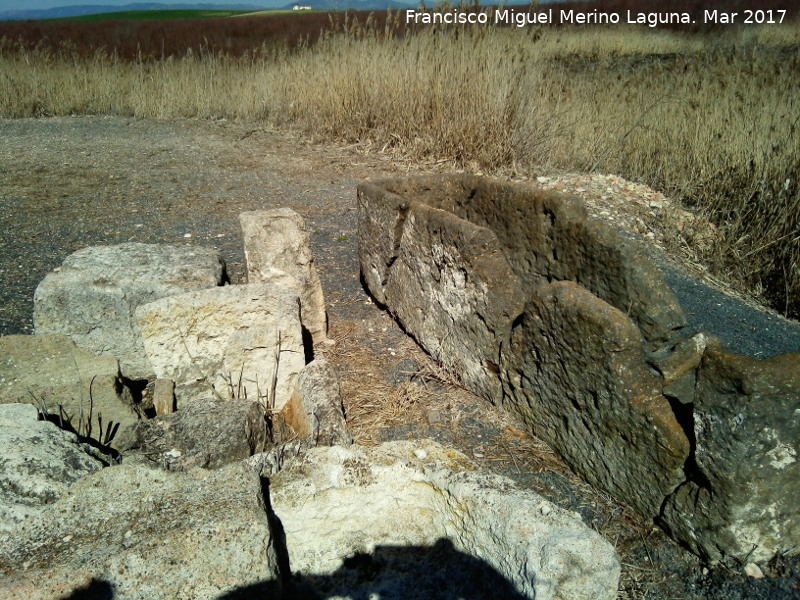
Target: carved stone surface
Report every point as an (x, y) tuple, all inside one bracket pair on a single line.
[(576, 373), (391, 507), (568, 324), (39, 462), (136, 533), (207, 433), (545, 237), (452, 289)]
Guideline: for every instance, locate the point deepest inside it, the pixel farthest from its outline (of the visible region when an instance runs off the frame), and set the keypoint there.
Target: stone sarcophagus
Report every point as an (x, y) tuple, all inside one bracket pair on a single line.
[(567, 324)]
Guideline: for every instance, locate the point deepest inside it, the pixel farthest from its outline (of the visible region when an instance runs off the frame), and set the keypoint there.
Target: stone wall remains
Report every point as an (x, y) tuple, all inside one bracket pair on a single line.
[(554, 315)]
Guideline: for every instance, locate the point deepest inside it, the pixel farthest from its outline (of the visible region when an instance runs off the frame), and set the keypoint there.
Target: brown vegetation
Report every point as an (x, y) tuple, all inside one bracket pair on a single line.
[(710, 118)]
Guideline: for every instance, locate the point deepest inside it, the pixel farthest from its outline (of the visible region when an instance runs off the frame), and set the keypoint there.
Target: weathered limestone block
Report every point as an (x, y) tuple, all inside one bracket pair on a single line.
[(50, 371), (242, 341), (544, 236), (93, 295), (576, 372), (137, 533), (452, 289), (39, 462), (315, 412), (743, 499), (206, 433), (411, 517), (278, 239)]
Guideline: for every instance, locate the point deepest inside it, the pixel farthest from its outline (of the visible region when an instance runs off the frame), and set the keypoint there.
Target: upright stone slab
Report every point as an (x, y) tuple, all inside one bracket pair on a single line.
[(39, 462), (53, 374), (315, 412), (93, 295), (241, 341), (743, 496), (134, 533), (452, 289), (544, 236), (575, 371), (381, 216), (278, 239)]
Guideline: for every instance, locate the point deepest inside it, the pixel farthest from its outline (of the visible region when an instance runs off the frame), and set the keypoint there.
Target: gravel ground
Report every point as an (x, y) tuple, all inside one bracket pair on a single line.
[(67, 183)]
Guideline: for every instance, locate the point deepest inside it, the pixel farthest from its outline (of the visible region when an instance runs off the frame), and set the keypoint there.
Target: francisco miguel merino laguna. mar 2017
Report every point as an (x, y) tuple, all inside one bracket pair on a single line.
[(519, 18)]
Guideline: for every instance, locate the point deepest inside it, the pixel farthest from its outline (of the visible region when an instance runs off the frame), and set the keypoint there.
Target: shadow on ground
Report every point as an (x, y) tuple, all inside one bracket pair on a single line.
[(437, 572)]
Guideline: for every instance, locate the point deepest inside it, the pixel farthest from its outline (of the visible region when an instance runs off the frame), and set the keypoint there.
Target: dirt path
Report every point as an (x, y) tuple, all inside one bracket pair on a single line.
[(68, 183)]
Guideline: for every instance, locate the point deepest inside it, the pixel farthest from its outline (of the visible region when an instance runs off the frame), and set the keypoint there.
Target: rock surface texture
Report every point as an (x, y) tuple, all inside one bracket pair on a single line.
[(241, 341), (52, 373), (38, 464), (571, 327), (415, 520), (278, 240), (93, 295), (205, 433), (574, 369), (742, 497), (135, 533), (315, 411)]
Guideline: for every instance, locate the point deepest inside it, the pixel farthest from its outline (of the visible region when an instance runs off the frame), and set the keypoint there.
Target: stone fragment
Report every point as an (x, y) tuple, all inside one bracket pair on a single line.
[(278, 239), (137, 533), (452, 289), (242, 341), (38, 464), (205, 433), (52, 373), (93, 295), (315, 411), (164, 396), (754, 571), (359, 520), (742, 496), (677, 363), (575, 371)]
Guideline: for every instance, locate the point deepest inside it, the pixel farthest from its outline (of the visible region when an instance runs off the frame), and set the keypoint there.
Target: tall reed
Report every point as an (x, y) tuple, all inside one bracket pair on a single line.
[(710, 119)]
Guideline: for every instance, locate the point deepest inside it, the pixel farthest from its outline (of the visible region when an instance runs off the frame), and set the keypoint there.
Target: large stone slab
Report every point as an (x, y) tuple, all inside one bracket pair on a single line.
[(545, 236), (52, 373), (93, 295), (38, 463), (409, 519), (743, 495), (575, 371), (598, 363), (278, 239), (134, 533), (453, 290), (242, 341)]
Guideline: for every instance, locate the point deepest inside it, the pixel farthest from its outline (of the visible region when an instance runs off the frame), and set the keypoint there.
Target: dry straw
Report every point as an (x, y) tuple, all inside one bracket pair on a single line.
[(710, 119)]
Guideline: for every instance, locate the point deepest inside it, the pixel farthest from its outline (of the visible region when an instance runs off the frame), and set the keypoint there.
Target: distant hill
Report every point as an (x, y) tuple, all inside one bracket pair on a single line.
[(352, 4), (93, 9)]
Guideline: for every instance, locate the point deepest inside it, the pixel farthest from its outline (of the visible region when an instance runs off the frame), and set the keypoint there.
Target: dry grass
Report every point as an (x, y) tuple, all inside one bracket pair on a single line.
[(710, 119)]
